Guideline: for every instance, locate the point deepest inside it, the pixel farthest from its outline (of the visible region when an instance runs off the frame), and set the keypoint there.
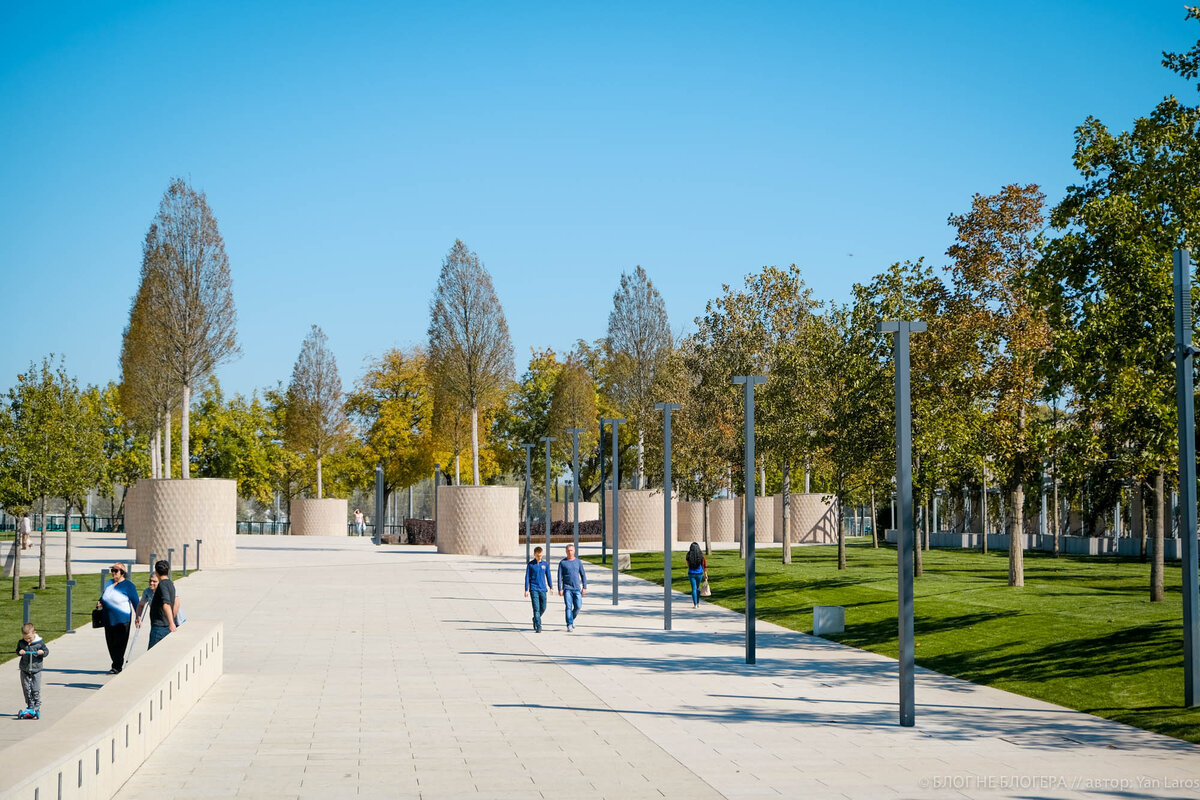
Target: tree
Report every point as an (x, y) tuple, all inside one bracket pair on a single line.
[(17, 468), (146, 392), (638, 337), (81, 462), (997, 245), (191, 306), (237, 439), (316, 420), (573, 405), (470, 350), (392, 407), (126, 459)]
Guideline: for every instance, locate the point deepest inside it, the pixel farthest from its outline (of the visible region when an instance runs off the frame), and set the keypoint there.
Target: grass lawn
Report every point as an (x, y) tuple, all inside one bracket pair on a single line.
[(1082, 633), (48, 612)]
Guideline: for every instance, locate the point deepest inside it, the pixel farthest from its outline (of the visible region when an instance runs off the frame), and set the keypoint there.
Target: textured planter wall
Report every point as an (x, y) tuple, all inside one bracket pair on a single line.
[(814, 518), (641, 520), (325, 517), (764, 520), (721, 520), (777, 510), (163, 513), (690, 526), (477, 520), (588, 512)]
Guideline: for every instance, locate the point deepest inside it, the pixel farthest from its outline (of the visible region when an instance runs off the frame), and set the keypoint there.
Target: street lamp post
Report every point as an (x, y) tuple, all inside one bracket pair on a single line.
[(1185, 353), (904, 497), (603, 512), (548, 440), (667, 408), (575, 486), (748, 382), (528, 498), (616, 514)]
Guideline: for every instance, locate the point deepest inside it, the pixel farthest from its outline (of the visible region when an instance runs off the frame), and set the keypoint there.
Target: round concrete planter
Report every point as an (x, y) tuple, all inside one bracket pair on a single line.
[(814, 518), (325, 517), (777, 510), (721, 526), (167, 513), (641, 520), (764, 519), (588, 512), (690, 527), (477, 520)]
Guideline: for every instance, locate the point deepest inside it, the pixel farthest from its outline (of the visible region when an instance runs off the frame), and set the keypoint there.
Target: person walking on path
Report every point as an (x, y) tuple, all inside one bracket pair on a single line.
[(360, 522), (119, 599), (537, 584), (26, 530), (697, 566), (31, 650), (572, 585), (162, 605)]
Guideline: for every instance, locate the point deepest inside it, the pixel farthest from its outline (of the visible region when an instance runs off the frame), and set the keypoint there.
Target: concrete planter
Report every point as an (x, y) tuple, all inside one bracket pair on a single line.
[(721, 523), (165, 513), (641, 520), (325, 517), (814, 518), (764, 520), (777, 510), (477, 520), (690, 527), (588, 512)]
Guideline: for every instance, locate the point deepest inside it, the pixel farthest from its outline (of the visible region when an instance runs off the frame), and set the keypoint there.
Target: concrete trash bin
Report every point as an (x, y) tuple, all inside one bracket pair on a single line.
[(828, 619)]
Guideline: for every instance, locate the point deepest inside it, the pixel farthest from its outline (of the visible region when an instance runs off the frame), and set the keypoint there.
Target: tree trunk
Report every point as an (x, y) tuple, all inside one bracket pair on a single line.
[(1156, 557), (167, 446), (983, 510), (457, 471), (874, 523), (841, 534), (707, 541), (16, 568), (475, 444), (42, 555), (762, 478), (928, 508), (1057, 518), (154, 454), (787, 511), (918, 553), (641, 460), (320, 487), (1137, 518), (1016, 538), (67, 534), (185, 445)]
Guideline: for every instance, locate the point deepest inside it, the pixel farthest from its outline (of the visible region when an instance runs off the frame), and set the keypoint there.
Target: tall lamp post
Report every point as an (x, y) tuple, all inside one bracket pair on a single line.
[(616, 514), (1185, 353), (667, 408), (748, 381), (575, 487), (904, 498), (528, 497), (603, 512), (548, 440)]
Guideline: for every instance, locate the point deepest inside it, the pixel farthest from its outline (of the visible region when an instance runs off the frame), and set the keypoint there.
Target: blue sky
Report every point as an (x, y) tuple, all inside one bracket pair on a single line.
[(344, 146)]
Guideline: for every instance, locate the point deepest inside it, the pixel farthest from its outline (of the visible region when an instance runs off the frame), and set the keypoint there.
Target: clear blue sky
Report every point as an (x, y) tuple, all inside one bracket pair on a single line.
[(344, 146)]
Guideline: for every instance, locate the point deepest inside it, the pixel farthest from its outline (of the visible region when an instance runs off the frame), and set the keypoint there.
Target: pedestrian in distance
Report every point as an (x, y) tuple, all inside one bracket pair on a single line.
[(537, 585), (697, 566), (31, 650), (119, 599), (572, 585), (26, 529), (162, 605), (360, 522)]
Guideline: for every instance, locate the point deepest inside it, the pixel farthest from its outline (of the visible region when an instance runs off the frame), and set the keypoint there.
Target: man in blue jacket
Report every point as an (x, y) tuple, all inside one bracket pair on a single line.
[(572, 585), (537, 584)]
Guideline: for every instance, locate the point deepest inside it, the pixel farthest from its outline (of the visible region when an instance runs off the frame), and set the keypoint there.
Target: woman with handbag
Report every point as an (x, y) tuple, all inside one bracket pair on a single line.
[(117, 603), (697, 571)]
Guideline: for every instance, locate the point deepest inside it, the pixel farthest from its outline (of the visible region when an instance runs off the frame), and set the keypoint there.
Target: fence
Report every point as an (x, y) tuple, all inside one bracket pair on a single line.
[(57, 522)]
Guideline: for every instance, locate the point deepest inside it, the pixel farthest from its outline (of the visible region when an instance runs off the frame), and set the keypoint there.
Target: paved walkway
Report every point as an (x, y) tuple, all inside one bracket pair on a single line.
[(352, 671)]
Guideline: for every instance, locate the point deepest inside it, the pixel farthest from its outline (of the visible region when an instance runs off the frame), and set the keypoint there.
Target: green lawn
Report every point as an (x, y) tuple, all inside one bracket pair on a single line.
[(1081, 633), (49, 610)]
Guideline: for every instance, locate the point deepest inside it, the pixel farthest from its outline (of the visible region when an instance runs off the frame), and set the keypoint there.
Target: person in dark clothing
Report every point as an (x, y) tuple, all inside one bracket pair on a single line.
[(118, 600), (697, 566), (537, 584), (572, 585), (162, 605)]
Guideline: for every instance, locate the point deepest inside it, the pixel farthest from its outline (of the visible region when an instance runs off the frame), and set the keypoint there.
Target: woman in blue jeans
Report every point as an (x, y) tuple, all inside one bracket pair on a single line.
[(696, 568)]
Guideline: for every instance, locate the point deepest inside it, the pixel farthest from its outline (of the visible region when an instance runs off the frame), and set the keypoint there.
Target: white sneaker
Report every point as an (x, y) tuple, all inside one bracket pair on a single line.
[(570, 628)]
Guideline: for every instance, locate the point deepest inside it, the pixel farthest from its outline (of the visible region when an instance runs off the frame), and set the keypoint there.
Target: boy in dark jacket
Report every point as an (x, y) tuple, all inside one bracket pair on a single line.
[(32, 650)]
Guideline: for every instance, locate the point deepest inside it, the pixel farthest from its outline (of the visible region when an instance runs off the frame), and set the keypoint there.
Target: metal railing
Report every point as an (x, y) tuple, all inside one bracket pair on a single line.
[(57, 522)]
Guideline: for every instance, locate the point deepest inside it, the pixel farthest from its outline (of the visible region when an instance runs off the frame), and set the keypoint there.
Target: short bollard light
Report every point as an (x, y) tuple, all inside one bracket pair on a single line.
[(185, 547), (103, 576), (28, 600), (70, 588), (170, 560), (198, 543), (153, 560)]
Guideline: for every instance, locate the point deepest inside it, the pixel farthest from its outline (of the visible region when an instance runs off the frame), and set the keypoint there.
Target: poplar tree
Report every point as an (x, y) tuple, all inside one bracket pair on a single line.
[(316, 420)]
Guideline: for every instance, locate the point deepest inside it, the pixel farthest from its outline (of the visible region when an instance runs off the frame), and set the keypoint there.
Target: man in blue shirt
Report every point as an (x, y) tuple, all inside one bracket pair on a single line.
[(572, 585), (537, 584)]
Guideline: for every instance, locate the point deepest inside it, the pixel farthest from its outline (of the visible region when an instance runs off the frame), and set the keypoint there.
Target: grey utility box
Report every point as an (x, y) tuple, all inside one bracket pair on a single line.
[(828, 619)]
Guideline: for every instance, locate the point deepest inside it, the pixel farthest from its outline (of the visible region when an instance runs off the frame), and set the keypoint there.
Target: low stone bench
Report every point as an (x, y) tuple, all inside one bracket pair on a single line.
[(828, 619), (101, 742)]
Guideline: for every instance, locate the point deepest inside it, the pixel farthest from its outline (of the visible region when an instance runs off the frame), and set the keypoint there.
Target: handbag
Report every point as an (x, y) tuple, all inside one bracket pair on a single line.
[(705, 591), (97, 617)]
